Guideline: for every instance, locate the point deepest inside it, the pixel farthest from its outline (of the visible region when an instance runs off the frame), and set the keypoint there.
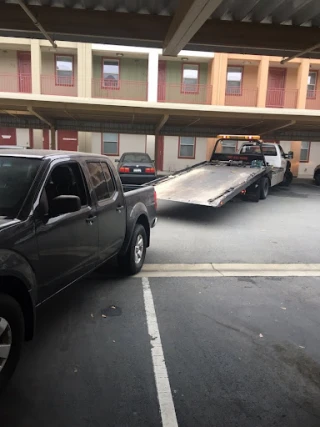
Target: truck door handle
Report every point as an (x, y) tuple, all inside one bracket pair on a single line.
[(91, 219), (119, 208)]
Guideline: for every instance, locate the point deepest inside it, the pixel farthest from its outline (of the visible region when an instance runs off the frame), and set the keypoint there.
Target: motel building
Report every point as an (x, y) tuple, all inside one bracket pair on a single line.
[(33, 68)]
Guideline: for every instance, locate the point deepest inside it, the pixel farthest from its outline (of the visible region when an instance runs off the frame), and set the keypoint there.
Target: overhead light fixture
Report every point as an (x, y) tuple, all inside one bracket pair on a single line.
[(184, 59), (119, 54)]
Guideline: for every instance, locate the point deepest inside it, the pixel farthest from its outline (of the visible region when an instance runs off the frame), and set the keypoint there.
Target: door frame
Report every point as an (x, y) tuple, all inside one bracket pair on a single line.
[(284, 77), (23, 55)]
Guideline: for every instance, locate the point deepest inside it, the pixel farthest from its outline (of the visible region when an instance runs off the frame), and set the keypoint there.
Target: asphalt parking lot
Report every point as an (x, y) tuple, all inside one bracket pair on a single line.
[(237, 351)]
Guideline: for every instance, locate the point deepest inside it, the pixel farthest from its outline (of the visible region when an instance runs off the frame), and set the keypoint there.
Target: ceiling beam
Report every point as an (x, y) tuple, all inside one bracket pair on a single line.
[(244, 8), (308, 11), (264, 9), (187, 20), (150, 30), (40, 117), (288, 9), (162, 122)]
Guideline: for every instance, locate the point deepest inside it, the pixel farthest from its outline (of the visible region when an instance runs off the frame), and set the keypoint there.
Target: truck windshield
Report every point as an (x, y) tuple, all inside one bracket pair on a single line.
[(16, 178)]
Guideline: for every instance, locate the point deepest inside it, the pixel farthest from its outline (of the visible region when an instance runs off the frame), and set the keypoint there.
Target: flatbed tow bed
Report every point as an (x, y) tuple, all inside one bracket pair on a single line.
[(215, 182)]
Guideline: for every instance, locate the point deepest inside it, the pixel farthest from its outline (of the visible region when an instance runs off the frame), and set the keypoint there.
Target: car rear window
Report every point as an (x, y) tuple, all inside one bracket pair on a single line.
[(136, 158)]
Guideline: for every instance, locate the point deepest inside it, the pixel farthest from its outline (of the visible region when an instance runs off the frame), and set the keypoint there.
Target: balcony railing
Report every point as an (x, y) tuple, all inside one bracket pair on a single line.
[(120, 89), (57, 85), (185, 93), (313, 100), (15, 83), (241, 97), (281, 98)]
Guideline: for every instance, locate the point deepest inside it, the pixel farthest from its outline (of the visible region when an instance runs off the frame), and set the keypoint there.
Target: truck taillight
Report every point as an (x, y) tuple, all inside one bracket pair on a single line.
[(150, 170), (124, 170), (155, 199)]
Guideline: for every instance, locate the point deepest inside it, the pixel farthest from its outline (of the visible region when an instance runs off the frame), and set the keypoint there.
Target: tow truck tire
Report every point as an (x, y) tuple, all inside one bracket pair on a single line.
[(12, 334), (287, 179), (132, 262), (264, 188), (317, 179)]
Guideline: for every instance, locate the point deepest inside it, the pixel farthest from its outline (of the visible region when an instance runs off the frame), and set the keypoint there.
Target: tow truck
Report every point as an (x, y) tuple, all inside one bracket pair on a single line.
[(248, 173)]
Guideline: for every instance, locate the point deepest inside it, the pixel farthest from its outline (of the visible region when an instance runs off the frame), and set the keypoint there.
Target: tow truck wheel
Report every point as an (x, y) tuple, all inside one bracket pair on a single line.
[(287, 179), (317, 179), (11, 337), (264, 188)]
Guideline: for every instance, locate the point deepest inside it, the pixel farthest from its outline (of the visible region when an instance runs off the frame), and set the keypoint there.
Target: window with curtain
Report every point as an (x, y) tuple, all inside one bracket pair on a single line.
[(305, 151), (312, 84), (234, 81), (111, 73), (190, 78), (110, 144), (187, 146), (64, 70)]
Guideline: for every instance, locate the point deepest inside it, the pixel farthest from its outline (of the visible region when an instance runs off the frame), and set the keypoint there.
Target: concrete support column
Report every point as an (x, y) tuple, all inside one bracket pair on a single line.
[(218, 78), (262, 83), (295, 162), (36, 66), (84, 51), (53, 145), (38, 139), (153, 73), (302, 83)]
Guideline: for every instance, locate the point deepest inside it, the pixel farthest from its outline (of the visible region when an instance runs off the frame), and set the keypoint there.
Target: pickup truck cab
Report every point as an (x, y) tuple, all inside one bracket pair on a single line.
[(61, 216), (276, 158)]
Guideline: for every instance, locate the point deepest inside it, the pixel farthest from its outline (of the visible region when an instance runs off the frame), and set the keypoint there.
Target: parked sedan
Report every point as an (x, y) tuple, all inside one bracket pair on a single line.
[(136, 168)]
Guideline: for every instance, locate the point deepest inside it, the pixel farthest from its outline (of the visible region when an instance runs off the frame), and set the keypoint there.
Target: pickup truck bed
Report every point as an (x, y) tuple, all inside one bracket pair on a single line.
[(207, 183)]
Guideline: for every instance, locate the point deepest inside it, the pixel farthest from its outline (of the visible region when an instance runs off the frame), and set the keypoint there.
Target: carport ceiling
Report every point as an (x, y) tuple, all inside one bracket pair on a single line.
[(270, 27), (31, 111)]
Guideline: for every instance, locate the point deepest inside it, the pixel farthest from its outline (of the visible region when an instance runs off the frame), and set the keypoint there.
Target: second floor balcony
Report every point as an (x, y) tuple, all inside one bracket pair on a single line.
[(185, 93), (240, 97), (120, 89), (16, 83), (282, 98)]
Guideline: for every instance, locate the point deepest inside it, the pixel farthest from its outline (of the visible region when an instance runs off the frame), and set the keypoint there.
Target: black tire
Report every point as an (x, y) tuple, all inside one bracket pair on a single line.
[(287, 179), (264, 188), (11, 312), (317, 179), (128, 263)]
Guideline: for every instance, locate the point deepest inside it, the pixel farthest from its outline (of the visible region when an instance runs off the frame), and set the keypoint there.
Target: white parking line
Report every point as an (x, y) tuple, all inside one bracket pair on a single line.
[(168, 413), (230, 270)]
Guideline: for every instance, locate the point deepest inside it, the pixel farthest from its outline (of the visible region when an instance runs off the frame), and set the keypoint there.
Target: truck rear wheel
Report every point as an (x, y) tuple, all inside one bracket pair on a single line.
[(11, 337), (287, 179), (132, 262), (264, 188)]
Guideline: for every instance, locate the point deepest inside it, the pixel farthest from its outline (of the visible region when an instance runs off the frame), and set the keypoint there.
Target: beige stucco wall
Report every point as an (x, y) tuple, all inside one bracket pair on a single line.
[(306, 170), (9, 71), (126, 143), (172, 163), (48, 81)]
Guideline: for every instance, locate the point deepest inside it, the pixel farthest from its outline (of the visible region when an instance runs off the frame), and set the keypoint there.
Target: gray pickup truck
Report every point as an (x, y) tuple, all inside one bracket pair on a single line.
[(61, 216)]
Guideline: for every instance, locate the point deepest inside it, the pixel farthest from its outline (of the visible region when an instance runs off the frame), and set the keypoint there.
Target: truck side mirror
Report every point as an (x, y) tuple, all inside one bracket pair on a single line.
[(64, 204), (290, 155)]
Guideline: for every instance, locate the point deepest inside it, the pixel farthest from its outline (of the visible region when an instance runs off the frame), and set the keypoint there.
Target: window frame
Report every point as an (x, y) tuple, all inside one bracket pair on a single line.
[(308, 153), (182, 84), (312, 94), (93, 189), (194, 148), (103, 86), (56, 55), (241, 80), (118, 145)]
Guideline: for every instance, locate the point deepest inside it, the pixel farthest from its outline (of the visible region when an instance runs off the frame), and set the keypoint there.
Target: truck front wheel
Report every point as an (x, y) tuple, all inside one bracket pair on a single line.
[(287, 179), (11, 337), (264, 188), (317, 179), (132, 262)]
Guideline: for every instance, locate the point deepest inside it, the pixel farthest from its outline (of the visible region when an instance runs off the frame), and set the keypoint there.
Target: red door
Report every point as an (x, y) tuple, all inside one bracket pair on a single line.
[(276, 85), (8, 136), (46, 139), (162, 81), (159, 152), (68, 140), (24, 71)]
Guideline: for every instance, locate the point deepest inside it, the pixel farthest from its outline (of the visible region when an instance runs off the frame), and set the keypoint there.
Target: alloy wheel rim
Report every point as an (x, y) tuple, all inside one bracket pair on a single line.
[(5, 341), (138, 249)]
